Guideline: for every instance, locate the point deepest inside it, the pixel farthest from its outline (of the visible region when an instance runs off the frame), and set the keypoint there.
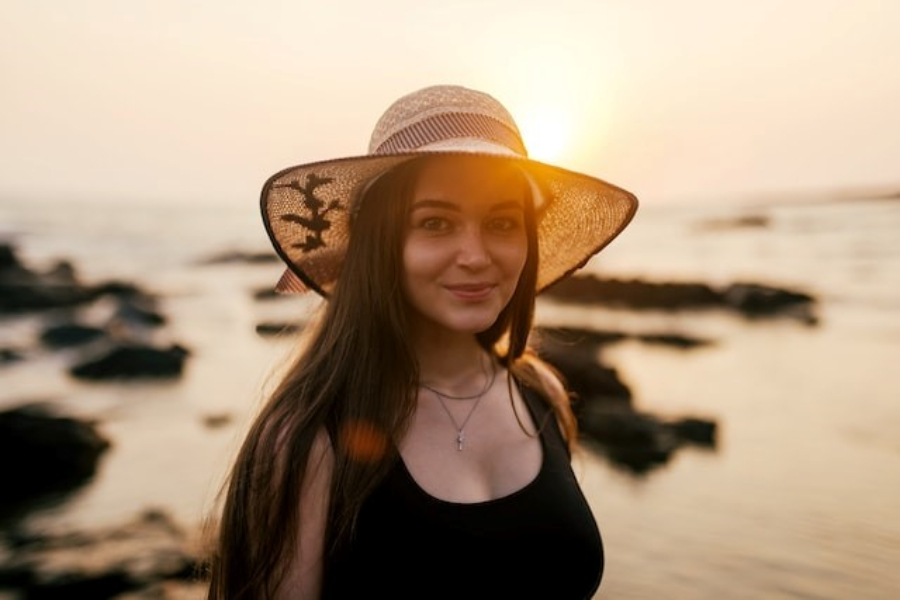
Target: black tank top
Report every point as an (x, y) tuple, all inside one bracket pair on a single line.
[(538, 542)]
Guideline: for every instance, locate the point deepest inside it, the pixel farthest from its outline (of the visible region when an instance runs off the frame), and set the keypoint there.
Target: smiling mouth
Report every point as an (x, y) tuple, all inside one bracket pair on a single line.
[(471, 291)]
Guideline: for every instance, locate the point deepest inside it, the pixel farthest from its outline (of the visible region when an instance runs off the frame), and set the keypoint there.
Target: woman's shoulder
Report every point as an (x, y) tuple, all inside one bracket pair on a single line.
[(543, 378), (535, 372)]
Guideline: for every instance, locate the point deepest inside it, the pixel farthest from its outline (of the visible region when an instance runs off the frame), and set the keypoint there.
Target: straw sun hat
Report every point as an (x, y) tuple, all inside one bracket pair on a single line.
[(307, 209)]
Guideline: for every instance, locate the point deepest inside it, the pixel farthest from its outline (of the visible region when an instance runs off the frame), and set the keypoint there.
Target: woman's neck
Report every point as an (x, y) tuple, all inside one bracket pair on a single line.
[(453, 364)]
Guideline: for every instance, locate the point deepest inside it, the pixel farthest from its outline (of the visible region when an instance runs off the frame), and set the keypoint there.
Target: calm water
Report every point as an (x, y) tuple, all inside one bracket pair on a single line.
[(801, 498)]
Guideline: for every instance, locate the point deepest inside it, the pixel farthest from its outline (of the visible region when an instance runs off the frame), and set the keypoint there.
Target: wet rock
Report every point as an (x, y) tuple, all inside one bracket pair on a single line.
[(215, 421), (267, 293), (635, 293), (574, 352), (637, 441), (10, 355), (603, 403), (139, 556), (673, 339), (640, 441), (590, 340), (237, 256), (22, 289), (750, 221), (752, 300), (67, 335), (133, 361), (27, 290), (8, 258), (277, 328), (695, 430), (588, 380), (44, 454), (138, 311), (755, 300)]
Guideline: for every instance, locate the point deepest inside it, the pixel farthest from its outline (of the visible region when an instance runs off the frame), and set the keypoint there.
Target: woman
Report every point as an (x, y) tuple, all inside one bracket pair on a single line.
[(418, 448)]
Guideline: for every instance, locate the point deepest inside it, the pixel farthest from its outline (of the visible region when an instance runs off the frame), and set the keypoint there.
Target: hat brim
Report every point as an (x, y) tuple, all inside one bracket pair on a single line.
[(306, 210)]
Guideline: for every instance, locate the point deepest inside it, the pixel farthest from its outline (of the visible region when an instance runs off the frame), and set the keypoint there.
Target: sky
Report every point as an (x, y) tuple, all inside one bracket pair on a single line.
[(688, 100)]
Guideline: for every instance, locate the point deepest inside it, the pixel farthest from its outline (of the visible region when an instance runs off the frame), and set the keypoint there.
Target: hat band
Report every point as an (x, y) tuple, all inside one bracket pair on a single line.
[(448, 126)]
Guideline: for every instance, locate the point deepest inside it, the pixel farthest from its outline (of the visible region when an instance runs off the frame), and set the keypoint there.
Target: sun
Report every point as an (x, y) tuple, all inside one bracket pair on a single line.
[(546, 133)]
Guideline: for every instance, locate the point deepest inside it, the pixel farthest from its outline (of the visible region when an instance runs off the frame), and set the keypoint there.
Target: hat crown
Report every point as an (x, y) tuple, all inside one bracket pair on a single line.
[(435, 102)]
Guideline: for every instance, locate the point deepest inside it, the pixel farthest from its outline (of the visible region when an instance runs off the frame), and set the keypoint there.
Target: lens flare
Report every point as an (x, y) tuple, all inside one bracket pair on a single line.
[(363, 442)]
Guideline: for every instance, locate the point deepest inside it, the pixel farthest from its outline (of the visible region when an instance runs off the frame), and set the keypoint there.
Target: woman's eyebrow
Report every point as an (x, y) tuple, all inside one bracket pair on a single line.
[(443, 204), (509, 204), (447, 205)]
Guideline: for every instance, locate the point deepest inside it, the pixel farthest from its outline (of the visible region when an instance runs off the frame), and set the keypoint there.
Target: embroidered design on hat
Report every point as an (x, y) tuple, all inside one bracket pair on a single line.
[(315, 223)]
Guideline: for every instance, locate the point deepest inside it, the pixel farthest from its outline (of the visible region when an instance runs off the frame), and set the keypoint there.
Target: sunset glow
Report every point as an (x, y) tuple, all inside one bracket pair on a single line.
[(680, 101), (547, 134)]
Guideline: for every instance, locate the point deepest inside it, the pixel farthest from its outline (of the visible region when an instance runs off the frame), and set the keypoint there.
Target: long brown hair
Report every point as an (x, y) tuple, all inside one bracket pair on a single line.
[(340, 383)]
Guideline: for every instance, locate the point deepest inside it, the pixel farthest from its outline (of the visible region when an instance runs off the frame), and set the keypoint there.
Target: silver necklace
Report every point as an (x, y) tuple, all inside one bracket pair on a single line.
[(461, 427)]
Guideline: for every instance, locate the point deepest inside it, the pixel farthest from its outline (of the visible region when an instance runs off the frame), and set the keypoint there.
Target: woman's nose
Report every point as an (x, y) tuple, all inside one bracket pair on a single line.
[(473, 252)]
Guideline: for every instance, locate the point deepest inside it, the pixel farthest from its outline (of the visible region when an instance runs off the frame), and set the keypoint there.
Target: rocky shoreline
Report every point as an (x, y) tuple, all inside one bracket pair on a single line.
[(154, 558)]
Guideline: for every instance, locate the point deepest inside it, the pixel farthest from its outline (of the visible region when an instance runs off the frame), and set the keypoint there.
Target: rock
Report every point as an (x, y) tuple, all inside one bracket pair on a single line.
[(10, 355), (8, 259), (634, 293), (695, 430), (589, 339), (139, 555), (640, 441), (237, 256), (602, 403), (132, 361), (676, 340), (45, 454), (215, 421), (636, 441), (66, 335), (22, 290), (267, 293), (750, 221), (137, 311), (752, 300), (276, 328), (755, 300), (26, 290), (574, 353)]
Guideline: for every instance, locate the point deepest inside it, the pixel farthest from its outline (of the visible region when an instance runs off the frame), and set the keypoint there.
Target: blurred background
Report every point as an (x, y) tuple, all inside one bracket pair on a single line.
[(762, 139)]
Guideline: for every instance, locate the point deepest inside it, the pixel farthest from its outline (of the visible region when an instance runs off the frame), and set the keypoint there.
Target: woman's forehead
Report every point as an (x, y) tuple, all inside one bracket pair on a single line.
[(469, 174)]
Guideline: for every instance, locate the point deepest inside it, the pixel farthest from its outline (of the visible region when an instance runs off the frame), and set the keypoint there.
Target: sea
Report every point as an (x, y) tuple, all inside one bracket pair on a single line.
[(798, 499)]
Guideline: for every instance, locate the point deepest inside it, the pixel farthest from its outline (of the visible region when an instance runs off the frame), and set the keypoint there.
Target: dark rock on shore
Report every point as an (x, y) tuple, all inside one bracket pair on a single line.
[(562, 337), (66, 335), (137, 310), (749, 221), (756, 300), (237, 256), (138, 557), (587, 378), (44, 454), (640, 441), (603, 403), (749, 299), (273, 328), (10, 355), (132, 361), (25, 290)]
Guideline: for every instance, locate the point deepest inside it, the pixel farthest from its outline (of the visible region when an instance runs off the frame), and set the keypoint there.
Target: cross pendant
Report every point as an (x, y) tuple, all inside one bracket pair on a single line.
[(460, 437)]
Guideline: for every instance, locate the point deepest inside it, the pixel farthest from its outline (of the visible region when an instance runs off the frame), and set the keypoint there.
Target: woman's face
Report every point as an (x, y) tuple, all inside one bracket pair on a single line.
[(465, 243)]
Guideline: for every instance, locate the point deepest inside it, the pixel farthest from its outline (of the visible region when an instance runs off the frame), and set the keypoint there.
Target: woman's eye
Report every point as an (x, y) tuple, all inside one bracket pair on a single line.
[(503, 224), (434, 224)]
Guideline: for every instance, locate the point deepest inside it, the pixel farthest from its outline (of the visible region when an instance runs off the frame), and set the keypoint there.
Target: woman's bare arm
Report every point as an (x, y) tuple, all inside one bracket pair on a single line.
[(303, 578)]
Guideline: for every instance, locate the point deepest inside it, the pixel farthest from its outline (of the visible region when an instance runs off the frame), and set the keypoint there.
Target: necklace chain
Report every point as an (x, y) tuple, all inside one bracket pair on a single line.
[(489, 381), (461, 427)]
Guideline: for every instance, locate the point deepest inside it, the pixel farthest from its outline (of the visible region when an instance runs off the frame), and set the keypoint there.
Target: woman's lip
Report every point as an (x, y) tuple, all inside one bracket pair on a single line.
[(471, 291)]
